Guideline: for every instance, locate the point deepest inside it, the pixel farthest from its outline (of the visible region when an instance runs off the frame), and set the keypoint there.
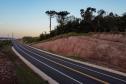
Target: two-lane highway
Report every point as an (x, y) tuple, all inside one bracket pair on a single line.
[(65, 71)]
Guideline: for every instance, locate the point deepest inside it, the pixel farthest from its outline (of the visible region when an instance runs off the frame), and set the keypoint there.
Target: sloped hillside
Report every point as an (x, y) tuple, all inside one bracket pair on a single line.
[(101, 49)]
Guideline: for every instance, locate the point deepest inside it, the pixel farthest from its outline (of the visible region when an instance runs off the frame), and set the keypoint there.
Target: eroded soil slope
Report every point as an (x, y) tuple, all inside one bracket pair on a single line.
[(108, 50)]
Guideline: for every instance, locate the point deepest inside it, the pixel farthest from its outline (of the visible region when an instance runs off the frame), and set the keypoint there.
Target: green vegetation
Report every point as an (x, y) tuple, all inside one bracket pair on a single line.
[(92, 20), (28, 39), (101, 21), (4, 43), (64, 35), (24, 74)]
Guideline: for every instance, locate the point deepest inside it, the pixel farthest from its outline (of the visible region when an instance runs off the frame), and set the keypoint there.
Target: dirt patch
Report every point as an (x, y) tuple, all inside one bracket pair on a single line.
[(7, 71)]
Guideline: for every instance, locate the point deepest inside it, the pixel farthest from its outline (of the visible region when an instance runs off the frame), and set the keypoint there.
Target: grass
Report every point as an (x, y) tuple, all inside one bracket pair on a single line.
[(5, 43), (74, 34), (66, 35), (24, 74)]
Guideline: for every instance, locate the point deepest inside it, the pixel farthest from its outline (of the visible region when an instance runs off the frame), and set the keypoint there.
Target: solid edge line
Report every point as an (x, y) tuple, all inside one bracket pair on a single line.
[(49, 66), (35, 69), (85, 63), (94, 78)]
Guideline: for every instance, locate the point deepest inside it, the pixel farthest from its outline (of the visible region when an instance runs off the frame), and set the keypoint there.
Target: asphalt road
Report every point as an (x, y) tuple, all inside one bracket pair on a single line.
[(65, 71)]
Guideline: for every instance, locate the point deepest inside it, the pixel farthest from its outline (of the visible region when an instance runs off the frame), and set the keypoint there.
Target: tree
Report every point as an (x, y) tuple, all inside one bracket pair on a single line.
[(112, 22), (61, 17), (99, 21), (89, 14), (82, 13), (90, 22), (122, 23), (87, 17), (50, 14), (101, 13)]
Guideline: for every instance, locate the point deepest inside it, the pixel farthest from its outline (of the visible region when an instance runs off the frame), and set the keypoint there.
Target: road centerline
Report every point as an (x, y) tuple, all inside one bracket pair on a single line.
[(86, 68), (51, 67), (94, 78)]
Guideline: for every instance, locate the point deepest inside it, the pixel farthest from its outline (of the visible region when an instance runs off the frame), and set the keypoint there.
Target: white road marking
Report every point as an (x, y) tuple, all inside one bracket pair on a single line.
[(52, 67), (91, 70), (94, 78), (35, 69)]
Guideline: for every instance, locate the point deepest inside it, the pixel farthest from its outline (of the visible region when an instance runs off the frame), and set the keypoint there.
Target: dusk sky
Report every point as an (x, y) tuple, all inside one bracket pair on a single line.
[(28, 18)]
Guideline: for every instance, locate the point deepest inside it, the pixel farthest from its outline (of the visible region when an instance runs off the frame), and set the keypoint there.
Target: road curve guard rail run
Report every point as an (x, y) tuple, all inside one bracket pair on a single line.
[(35, 69)]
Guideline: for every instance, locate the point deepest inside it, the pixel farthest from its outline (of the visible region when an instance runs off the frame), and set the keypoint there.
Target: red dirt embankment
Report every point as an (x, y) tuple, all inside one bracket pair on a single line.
[(99, 49)]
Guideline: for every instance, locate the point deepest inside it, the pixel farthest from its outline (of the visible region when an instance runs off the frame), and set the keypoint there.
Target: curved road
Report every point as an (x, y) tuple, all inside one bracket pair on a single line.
[(65, 71)]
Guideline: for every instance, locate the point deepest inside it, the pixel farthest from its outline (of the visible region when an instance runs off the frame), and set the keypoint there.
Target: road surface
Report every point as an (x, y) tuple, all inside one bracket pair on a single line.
[(65, 71)]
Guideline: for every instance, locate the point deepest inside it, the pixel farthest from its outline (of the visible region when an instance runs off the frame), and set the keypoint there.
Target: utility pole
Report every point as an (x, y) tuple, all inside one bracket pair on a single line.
[(8, 37), (12, 35), (12, 38)]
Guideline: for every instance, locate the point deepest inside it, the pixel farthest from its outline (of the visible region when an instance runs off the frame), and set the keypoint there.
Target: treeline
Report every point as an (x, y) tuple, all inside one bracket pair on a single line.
[(29, 39), (91, 20), (4, 43)]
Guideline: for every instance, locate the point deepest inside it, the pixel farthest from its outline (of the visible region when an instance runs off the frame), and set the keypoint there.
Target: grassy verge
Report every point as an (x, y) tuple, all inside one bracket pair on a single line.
[(24, 74)]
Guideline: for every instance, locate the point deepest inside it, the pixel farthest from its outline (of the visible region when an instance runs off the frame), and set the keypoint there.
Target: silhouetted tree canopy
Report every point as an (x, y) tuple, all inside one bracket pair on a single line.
[(61, 17), (90, 22), (51, 14)]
